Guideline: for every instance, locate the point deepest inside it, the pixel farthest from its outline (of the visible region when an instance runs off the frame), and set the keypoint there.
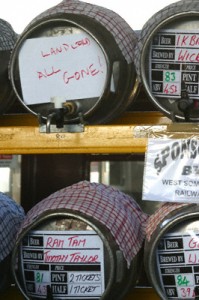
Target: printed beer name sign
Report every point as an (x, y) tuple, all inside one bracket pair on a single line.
[(70, 66), (171, 63), (70, 264)]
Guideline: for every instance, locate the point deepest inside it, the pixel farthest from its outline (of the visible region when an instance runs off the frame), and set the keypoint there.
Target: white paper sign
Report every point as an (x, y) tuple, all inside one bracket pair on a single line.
[(67, 67), (171, 171)]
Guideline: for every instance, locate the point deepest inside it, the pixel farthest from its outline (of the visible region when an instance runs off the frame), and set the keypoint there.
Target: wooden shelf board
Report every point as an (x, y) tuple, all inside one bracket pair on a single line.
[(19, 134)]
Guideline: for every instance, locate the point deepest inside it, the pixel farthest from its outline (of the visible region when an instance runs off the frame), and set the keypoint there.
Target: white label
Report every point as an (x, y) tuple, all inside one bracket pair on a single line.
[(171, 171), (69, 263), (174, 60), (65, 67), (178, 264)]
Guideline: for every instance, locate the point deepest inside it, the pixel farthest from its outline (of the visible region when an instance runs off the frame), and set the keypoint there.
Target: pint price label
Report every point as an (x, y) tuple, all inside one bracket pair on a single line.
[(66, 264), (178, 264), (174, 60)]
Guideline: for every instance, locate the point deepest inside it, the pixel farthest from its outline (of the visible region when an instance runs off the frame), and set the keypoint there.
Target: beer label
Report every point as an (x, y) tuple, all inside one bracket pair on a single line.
[(174, 62), (66, 264), (178, 265)]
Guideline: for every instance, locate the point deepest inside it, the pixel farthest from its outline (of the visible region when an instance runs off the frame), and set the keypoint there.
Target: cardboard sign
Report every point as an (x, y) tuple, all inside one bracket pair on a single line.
[(66, 67), (171, 171)]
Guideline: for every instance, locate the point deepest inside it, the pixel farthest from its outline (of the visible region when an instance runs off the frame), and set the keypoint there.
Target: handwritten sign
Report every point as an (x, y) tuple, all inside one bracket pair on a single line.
[(174, 60), (178, 263), (64, 67), (171, 171), (70, 262)]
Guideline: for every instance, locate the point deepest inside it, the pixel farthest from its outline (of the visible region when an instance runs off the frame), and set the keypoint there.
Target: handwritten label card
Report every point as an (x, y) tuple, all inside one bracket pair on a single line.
[(174, 61), (71, 263), (178, 261), (171, 171), (68, 67)]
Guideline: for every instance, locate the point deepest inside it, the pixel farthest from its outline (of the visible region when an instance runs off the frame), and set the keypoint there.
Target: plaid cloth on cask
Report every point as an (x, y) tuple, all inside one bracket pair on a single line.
[(159, 215), (116, 210), (11, 217), (123, 34), (7, 36)]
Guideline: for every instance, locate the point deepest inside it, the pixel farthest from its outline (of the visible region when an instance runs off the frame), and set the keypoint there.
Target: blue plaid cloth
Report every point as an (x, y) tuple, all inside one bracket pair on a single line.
[(7, 36), (11, 216)]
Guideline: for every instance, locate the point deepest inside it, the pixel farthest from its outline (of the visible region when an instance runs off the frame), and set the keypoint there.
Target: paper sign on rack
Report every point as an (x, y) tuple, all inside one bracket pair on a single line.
[(171, 171)]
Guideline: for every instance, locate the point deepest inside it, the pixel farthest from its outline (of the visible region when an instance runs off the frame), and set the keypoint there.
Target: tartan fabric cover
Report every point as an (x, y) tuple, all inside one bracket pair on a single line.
[(116, 210), (11, 217), (7, 36), (123, 34), (160, 214)]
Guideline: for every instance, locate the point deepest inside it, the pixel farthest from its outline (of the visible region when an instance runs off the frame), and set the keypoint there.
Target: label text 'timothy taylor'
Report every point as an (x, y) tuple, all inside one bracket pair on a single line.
[(75, 257)]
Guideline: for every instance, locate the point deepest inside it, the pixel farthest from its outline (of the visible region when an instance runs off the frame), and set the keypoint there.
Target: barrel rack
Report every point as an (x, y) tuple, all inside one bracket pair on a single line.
[(20, 134)]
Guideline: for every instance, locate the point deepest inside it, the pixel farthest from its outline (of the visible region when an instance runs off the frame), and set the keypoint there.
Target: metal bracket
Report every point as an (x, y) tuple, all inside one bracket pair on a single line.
[(48, 127), (73, 128)]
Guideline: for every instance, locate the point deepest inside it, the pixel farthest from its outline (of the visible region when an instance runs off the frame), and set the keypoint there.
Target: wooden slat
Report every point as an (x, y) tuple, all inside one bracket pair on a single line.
[(19, 134), (96, 139)]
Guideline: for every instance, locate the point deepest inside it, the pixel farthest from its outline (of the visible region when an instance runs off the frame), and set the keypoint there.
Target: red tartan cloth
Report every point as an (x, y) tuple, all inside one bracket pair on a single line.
[(116, 210), (159, 215), (123, 34)]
